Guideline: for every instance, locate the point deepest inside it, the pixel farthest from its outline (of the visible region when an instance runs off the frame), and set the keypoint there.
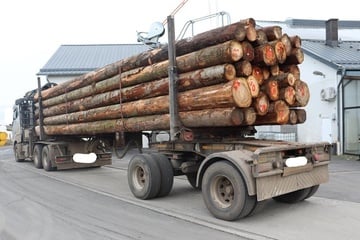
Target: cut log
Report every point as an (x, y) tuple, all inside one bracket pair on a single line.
[(265, 55), (288, 95), (258, 74), (220, 117), (261, 104), (295, 41), (284, 79), (241, 92), (285, 39), (243, 68), (293, 69), (296, 56), (198, 78), (253, 86), (248, 51), (275, 70), (271, 88), (261, 37), (273, 32), (213, 95), (249, 116), (292, 117), (302, 93), (280, 50), (278, 114), (301, 115)]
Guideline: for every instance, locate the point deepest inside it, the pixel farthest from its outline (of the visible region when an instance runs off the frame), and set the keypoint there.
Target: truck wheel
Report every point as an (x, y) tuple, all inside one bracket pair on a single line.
[(38, 156), (46, 159), (293, 197), (166, 172), (144, 177), (224, 192), (313, 190), (17, 155)]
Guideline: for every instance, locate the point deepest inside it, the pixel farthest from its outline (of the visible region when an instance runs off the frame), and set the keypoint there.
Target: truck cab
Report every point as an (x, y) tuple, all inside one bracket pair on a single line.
[(22, 128)]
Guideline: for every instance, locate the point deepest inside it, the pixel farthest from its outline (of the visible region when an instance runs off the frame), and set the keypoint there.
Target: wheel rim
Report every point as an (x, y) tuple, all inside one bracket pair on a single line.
[(222, 191), (139, 178)]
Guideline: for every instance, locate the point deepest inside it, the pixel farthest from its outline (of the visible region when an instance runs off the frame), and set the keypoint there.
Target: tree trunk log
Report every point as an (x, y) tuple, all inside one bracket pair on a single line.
[(258, 74), (265, 55), (285, 39), (280, 51), (293, 69), (273, 32), (288, 95), (302, 93), (271, 88), (253, 86), (261, 104), (248, 51), (284, 79), (243, 68), (279, 113), (296, 56), (219, 117)]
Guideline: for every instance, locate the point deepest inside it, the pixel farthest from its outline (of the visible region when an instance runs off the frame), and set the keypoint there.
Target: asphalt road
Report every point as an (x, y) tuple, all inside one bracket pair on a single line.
[(97, 204)]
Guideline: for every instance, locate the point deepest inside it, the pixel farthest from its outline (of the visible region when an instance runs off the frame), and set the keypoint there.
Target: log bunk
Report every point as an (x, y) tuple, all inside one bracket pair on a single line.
[(238, 75)]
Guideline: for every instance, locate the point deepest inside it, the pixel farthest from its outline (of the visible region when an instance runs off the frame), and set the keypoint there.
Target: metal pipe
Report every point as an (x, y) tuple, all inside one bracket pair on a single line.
[(41, 117), (173, 78)]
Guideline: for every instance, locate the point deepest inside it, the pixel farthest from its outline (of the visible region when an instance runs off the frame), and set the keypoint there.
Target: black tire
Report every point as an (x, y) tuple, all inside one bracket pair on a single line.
[(144, 178), (46, 159), (166, 172), (191, 177), (225, 193), (37, 156), (16, 154), (293, 197), (313, 190)]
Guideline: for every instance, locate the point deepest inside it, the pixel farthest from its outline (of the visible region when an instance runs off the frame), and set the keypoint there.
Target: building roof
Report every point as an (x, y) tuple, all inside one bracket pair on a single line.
[(80, 59), (345, 55)]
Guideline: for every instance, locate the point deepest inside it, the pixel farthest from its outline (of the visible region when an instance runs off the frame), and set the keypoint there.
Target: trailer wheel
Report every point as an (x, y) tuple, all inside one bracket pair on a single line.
[(17, 155), (293, 197), (46, 159), (166, 172), (144, 177), (225, 193), (38, 156)]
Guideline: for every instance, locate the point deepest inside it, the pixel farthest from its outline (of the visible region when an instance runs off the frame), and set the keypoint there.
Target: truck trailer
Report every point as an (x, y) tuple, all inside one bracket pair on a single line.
[(199, 113)]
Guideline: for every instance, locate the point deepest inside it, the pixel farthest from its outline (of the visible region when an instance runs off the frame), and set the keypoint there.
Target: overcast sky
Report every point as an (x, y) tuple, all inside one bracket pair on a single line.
[(32, 30)]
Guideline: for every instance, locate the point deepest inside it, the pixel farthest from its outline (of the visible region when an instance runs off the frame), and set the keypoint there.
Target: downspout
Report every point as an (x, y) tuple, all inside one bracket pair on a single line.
[(340, 144)]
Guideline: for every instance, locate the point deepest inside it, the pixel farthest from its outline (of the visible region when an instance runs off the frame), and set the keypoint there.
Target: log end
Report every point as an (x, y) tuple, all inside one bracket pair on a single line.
[(241, 92)]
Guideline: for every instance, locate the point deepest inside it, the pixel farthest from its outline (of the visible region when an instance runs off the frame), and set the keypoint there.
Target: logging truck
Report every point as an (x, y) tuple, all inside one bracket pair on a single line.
[(198, 102)]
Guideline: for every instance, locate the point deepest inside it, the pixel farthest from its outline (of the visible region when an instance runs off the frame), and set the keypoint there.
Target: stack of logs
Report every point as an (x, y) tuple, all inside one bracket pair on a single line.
[(236, 75)]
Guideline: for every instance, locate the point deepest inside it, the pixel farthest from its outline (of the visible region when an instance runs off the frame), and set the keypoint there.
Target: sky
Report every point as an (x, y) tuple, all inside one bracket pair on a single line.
[(32, 30)]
